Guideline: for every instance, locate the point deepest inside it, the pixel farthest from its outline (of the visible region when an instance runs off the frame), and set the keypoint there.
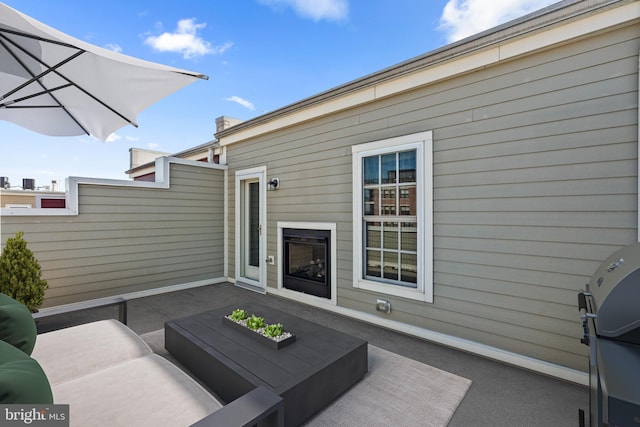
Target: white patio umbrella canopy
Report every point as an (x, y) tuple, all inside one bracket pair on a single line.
[(58, 85)]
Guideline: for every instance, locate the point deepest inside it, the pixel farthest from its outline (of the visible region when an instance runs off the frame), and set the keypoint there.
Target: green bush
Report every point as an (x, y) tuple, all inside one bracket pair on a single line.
[(20, 273)]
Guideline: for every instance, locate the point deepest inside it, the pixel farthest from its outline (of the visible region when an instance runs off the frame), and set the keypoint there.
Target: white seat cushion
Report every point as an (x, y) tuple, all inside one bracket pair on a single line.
[(73, 352), (148, 391)]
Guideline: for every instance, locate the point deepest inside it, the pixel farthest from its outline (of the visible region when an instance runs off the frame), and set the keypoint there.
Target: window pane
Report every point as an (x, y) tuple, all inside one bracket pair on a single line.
[(371, 201), (407, 166), (253, 223), (409, 268), (408, 236), (388, 168), (408, 199), (371, 170), (391, 265), (369, 195), (390, 233), (373, 239), (369, 209), (388, 207), (373, 264)]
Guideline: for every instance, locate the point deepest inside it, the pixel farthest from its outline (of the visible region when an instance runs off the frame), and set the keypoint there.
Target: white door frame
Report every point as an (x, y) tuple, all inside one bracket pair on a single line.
[(257, 283)]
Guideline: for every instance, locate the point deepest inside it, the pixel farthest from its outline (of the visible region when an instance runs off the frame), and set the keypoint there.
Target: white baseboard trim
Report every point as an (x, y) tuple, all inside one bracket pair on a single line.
[(526, 362)]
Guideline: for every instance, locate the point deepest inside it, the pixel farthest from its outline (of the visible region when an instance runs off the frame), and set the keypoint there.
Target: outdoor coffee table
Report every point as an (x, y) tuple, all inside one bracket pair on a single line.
[(308, 374)]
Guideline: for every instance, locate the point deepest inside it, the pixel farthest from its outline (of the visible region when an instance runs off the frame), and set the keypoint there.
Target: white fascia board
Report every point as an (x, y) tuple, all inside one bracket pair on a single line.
[(73, 182), (449, 68), (571, 30), (347, 101), (437, 72)]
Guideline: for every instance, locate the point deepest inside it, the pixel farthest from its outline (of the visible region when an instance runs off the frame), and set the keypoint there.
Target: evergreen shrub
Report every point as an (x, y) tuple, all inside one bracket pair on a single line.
[(20, 273)]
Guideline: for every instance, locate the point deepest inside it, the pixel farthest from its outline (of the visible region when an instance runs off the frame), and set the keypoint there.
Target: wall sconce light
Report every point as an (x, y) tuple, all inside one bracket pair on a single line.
[(273, 184)]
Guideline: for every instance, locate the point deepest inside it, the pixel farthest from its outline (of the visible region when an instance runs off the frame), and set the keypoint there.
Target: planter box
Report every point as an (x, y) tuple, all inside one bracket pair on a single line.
[(277, 345)]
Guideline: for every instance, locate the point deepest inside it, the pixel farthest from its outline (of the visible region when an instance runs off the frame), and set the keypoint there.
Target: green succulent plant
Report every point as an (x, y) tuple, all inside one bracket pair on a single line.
[(273, 330), (239, 314), (255, 322)]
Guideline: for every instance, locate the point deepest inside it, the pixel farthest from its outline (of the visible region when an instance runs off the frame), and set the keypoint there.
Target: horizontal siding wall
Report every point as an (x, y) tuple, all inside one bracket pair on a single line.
[(533, 191), (535, 183), (128, 239)]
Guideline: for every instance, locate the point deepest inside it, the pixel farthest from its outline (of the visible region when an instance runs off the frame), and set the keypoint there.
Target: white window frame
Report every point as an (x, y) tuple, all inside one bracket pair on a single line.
[(423, 144)]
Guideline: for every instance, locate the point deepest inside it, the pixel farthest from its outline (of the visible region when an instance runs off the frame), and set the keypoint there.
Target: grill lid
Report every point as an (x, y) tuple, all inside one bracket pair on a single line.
[(615, 295)]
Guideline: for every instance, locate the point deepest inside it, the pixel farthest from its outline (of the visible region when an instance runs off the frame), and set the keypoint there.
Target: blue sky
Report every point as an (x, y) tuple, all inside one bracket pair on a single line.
[(260, 55)]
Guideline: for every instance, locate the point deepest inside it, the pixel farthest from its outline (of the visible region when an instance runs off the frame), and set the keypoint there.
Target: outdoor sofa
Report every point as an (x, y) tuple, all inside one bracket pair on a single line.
[(109, 376)]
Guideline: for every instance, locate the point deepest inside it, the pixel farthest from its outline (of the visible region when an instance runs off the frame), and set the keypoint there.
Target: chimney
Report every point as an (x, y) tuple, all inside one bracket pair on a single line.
[(224, 122), (221, 123)]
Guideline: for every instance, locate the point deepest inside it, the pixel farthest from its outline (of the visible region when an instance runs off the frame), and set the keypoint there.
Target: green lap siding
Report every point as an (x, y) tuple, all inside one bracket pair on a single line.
[(127, 239)]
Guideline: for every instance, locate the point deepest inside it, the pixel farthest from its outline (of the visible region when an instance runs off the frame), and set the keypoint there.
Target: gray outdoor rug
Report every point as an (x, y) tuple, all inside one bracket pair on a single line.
[(397, 391)]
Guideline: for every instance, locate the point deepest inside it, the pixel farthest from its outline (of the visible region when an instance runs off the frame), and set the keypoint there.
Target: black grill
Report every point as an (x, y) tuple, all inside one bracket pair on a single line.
[(610, 313)]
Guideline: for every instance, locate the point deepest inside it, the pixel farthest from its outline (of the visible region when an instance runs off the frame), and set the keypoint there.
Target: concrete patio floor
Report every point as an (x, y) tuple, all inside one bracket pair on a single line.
[(501, 395)]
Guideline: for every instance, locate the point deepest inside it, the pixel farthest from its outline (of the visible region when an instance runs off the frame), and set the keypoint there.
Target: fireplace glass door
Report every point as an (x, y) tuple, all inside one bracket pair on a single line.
[(306, 261)]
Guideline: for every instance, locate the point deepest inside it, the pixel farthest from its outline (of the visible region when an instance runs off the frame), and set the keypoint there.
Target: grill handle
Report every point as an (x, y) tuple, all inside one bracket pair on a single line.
[(582, 302), (584, 315)]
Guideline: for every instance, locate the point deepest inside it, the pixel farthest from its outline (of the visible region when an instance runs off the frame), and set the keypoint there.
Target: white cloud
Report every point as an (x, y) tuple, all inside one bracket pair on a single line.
[(243, 102), (131, 138), (152, 145), (463, 18), (185, 40), (114, 47), (113, 138), (331, 10)]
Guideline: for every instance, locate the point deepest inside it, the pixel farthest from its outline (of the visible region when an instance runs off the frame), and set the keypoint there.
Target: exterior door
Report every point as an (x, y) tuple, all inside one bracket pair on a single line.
[(252, 230), (250, 233)]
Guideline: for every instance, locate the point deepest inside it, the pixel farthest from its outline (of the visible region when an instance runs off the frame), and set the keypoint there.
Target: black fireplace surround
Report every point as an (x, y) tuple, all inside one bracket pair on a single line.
[(307, 261)]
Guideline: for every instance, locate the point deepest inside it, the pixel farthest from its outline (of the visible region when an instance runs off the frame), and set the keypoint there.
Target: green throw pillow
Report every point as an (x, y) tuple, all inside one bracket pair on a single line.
[(17, 326), (22, 380)]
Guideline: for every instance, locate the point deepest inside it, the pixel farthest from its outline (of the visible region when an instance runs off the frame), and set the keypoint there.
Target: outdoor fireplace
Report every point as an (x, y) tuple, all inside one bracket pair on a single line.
[(306, 261)]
